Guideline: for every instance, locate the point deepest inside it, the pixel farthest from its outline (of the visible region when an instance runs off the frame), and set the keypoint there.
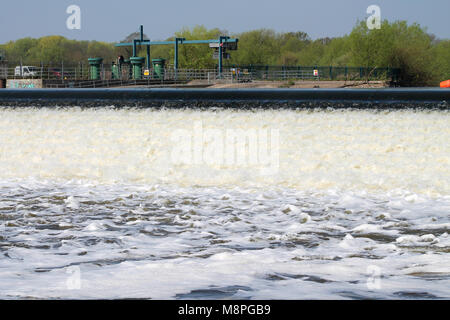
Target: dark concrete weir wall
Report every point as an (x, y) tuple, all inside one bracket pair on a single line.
[(230, 98)]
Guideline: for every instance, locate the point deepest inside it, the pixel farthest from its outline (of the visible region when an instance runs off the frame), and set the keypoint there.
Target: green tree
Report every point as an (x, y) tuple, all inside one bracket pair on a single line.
[(257, 47), (199, 56), (310, 56), (423, 59), (441, 64), (102, 49), (51, 49), (291, 44), (20, 49), (396, 44), (336, 53)]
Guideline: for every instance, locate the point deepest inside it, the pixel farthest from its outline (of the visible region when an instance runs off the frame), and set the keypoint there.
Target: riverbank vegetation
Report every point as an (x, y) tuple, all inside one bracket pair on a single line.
[(423, 59)]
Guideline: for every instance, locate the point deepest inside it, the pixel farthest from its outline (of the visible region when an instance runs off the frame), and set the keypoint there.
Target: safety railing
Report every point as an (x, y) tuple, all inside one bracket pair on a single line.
[(3, 71), (47, 72), (79, 73), (3, 66), (263, 72)]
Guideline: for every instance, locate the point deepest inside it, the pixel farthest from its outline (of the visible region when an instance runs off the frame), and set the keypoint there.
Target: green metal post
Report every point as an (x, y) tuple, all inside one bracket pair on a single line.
[(175, 62), (158, 68), (148, 57), (134, 48), (220, 57), (177, 41), (137, 63), (95, 64), (221, 42)]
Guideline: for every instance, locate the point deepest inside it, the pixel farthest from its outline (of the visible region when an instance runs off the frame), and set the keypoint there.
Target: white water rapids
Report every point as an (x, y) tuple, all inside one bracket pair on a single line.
[(128, 203)]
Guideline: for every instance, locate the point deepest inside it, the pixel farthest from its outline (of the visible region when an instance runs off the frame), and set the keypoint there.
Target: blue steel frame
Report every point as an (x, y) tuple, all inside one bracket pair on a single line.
[(176, 43)]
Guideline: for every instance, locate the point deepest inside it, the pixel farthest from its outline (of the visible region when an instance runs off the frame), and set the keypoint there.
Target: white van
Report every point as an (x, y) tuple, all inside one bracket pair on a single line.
[(27, 71)]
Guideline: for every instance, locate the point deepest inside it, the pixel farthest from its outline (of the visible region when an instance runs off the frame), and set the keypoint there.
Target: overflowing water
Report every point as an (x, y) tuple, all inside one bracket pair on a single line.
[(319, 204)]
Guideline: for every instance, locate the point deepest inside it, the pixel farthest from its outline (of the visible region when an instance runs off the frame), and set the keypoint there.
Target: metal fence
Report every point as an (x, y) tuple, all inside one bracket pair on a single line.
[(265, 72), (60, 72), (3, 71), (169, 77), (106, 73), (3, 66), (81, 74)]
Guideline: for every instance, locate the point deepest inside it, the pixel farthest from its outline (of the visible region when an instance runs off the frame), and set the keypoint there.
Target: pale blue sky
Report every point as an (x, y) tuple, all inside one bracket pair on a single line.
[(112, 20)]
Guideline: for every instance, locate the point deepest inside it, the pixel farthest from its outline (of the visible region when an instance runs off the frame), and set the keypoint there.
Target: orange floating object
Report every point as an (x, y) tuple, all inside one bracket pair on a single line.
[(445, 84)]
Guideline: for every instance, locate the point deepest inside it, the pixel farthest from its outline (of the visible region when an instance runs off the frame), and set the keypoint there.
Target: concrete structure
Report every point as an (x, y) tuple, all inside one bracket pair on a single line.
[(389, 98), (24, 83)]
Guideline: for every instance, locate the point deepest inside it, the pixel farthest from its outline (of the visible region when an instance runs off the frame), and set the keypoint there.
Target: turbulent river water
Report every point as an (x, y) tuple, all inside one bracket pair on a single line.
[(224, 204)]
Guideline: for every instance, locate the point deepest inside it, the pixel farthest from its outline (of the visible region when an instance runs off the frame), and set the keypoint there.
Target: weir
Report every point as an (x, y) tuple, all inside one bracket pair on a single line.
[(231, 98), (125, 194)]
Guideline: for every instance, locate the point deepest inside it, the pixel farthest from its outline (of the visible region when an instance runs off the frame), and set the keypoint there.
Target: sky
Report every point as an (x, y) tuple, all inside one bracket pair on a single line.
[(113, 20)]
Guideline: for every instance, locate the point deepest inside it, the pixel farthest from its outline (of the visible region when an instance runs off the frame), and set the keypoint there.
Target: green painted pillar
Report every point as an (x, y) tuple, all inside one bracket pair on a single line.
[(148, 57), (137, 63), (134, 47), (222, 41), (177, 42), (95, 65), (158, 68)]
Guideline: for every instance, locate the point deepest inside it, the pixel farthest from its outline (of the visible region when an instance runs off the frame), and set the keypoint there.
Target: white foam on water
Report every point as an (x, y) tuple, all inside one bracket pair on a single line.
[(92, 206), (351, 150)]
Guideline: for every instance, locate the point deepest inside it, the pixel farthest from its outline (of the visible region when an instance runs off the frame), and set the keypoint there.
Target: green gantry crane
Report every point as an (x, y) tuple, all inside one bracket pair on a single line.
[(222, 44)]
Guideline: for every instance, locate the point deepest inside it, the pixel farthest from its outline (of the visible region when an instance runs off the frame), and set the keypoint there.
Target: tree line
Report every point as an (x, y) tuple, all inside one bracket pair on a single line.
[(422, 58)]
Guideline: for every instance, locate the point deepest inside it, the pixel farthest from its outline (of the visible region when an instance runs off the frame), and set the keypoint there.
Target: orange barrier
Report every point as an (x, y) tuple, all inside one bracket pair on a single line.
[(445, 84)]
